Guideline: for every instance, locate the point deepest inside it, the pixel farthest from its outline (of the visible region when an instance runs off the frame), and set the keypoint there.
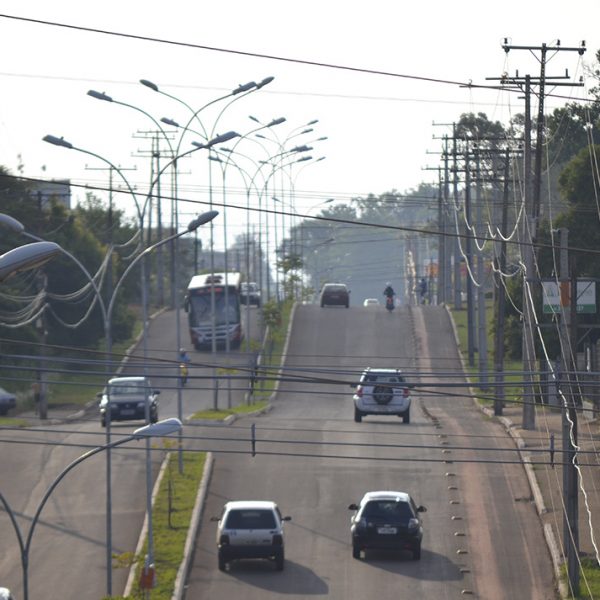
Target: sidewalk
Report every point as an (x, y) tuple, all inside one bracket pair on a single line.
[(548, 422)]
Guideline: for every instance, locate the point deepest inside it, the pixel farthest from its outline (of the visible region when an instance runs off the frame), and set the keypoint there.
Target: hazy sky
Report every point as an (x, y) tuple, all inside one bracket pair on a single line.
[(379, 126)]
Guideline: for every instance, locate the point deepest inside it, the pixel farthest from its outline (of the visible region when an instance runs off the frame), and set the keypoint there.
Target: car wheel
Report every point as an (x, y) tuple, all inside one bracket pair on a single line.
[(102, 422), (406, 417), (355, 551), (357, 415), (417, 552), (279, 561), (322, 304), (382, 394), (154, 417), (222, 562)]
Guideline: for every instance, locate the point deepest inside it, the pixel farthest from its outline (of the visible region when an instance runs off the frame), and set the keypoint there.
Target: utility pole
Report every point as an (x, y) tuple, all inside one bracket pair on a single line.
[(532, 206), (469, 261), (441, 270), (453, 274), (110, 221), (500, 264), (568, 326), (481, 311)]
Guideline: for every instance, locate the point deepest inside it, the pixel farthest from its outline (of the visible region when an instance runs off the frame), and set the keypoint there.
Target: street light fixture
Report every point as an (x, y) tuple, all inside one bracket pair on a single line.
[(26, 257), (160, 429)]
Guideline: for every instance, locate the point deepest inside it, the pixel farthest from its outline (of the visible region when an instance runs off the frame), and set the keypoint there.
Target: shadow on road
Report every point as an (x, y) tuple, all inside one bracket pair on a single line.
[(296, 578), (431, 567)]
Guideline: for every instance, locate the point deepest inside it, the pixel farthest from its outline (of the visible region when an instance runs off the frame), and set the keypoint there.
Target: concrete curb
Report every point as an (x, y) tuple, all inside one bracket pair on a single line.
[(198, 509), (284, 352), (203, 489), (144, 531), (188, 550), (536, 491)]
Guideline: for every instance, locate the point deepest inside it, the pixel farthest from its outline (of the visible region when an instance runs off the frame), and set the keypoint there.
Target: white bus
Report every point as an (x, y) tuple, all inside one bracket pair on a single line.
[(225, 322)]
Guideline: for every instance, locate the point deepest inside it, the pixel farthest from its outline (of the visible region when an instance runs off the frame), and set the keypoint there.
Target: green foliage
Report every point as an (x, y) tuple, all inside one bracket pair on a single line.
[(271, 313), (172, 513)]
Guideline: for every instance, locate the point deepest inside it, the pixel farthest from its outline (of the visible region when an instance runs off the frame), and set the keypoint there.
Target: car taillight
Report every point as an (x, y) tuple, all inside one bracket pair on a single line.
[(224, 540), (406, 392), (277, 540), (359, 391)]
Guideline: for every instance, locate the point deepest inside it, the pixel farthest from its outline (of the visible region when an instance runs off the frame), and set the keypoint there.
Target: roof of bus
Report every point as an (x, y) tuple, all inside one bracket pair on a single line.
[(229, 278)]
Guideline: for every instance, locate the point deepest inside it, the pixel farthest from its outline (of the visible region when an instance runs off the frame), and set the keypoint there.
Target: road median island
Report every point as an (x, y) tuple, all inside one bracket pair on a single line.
[(178, 498)]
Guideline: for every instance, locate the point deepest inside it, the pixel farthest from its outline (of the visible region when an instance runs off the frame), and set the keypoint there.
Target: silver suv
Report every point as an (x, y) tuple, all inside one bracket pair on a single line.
[(382, 392), (250, 529)]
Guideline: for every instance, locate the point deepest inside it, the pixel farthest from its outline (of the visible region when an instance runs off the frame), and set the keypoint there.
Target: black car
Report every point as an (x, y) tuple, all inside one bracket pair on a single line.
[(128, 398), (335, 294), (387, 521)]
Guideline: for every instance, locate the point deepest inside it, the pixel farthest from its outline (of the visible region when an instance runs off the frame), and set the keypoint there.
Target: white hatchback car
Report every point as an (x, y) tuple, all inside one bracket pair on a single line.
[(250, 529), (382, 392)]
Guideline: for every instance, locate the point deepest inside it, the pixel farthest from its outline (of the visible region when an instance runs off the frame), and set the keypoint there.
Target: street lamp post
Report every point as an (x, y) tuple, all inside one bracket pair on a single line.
[(162, 428), (107, 318)]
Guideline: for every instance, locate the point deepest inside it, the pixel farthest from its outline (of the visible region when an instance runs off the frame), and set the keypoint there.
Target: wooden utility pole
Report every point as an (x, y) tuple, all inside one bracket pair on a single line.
[(568, 326), (532, 206)]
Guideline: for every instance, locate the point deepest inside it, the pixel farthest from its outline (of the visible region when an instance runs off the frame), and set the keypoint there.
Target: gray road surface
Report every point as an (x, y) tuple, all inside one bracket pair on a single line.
[(482, 534), (68, 553)]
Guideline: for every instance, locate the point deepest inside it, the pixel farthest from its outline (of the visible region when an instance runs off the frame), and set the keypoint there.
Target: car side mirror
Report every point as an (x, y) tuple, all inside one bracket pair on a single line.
[(215, 519), (156, 392), (353, 385), (353, 507), (99, 394), (421, 509), (411, 386), (286, 518)]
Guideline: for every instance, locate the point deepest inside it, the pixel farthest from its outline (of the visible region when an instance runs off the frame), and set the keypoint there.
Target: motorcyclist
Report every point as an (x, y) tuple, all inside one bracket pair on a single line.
[(389, 291), (184, 364)]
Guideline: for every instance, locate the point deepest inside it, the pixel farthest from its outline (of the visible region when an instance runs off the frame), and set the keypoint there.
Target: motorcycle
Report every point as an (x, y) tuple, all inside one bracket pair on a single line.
[(389, 303), (183, 373)]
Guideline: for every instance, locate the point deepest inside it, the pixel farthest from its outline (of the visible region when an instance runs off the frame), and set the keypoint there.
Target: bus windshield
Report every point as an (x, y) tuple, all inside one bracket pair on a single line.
[(225, 313)]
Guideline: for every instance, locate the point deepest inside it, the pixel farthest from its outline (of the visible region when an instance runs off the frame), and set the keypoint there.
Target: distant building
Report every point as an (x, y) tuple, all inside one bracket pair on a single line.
[(42, 191)]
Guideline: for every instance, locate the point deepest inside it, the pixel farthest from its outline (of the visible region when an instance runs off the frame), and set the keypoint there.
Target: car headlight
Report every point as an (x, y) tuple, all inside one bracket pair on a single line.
[(413, 524)]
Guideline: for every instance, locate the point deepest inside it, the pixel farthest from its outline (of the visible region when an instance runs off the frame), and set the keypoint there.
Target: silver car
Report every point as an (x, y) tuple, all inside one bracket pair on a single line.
[(382, 392), (250, 529)]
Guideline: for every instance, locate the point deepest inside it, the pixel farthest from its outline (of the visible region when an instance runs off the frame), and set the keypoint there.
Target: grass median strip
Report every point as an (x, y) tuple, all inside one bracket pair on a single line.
[(177, 492)]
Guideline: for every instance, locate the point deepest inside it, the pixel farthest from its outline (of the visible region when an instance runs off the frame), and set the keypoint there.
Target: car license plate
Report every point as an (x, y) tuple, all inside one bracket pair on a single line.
[(387, 530), (127, 411)]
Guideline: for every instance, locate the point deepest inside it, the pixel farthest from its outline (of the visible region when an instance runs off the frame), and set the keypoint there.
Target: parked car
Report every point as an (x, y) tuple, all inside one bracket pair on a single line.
[(128, 397), (382, 392), (7, 401), (371, 302), (250, 293), (386, 520), (5, 594), (250, 529), (336, 294)]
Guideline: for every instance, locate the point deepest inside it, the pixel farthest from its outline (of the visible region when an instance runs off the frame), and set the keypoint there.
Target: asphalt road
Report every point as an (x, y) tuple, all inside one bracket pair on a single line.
[(482, 535), (68, 556)]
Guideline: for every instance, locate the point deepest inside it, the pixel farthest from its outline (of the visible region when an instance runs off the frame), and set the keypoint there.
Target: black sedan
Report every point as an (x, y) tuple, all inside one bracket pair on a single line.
[(335, 293), (388, 521)]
